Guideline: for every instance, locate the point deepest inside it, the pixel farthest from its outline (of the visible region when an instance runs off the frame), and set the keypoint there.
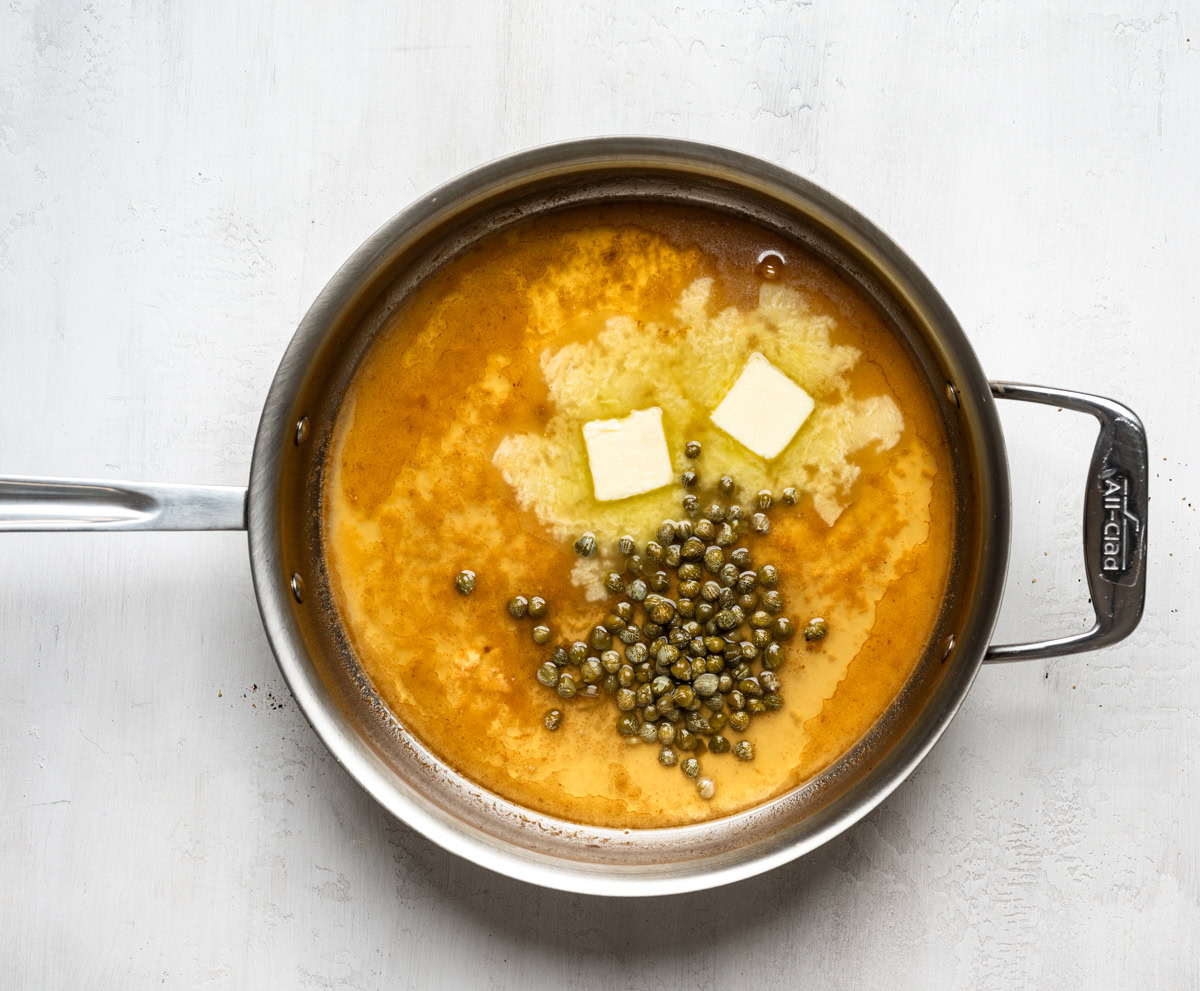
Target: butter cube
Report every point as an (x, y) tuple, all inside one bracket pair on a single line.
[(764, 409), (628, 456)]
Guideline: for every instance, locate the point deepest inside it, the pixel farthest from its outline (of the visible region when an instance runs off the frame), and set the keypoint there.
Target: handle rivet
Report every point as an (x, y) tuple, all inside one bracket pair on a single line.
[(948, 646), (952, 394), (301, 430), (297, 584)]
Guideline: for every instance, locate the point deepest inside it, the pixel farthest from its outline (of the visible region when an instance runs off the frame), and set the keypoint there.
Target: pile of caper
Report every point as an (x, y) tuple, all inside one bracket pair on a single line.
[(693, 641)]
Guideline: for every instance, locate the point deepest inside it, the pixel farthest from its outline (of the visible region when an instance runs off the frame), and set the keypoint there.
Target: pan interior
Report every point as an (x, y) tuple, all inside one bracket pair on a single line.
[(331, 343)]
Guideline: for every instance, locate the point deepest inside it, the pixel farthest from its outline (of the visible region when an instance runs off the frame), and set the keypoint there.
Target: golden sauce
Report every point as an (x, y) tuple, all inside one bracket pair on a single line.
[(459, 446)]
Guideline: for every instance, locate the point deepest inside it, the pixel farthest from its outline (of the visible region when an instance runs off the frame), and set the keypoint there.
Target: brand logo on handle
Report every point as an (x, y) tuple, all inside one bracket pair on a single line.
[(1121, 525)]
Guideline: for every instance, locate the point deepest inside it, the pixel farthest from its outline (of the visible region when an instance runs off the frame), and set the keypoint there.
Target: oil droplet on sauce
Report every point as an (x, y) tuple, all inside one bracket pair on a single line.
[(770, 266)]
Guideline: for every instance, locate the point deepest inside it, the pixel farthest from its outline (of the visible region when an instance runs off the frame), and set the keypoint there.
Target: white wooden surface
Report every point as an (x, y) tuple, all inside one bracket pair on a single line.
[(178, 180)]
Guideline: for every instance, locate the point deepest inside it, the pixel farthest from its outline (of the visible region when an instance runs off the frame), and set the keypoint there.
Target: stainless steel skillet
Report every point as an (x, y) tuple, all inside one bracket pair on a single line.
[(280, 509)]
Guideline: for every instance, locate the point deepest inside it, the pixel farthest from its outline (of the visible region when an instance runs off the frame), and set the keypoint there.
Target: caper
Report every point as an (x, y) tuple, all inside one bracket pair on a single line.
[(743, 750), (692, 449), (699, 666), (725, 682), (626, 699), (733, 654), (725, 484), (644, 695), (631, 634), (666, 703), (747, 582), (748, 602), (585, 546), (782, 628), (614, 623), (690, 767), (717, 721), (601, 639), (726, 619), (716, 513), (689, 479), (667, 654), (750, 688), (790, 496), (737, 700), (636, 653), (718, 744), (614, 582), (635, 565), (643, 674), (518, 606), (610, 684), (686, 607), (729, 574), (772, 601), (661, 685), (683, 695), (714, 558), (690, 571), (755, 707), (547, 674), (772, 700), (726, 598), (681, 670), (626, 545), (541, 634), (705, 529), (689, 590), (692, 549), (725, 535), (709, 590), (772, 656), (770, 681), (566, 686), (660, 581), (696, 722), (464, 581), (560, 657), (591, 671), (665, 532), (666, 756), (691, 505), (704, 612), (705, 788), (705, 685), (764, 499), (578, 652), (650, 714), (759, 523), (714, 663), (671, 556), (685, 740), (637, 590), (627, 724), (742, 671), (662, 612), (651, 629), (740, 556), (749, 651), (666, 733), (815, 629), (537, 606), (648, 732), (696, 647), (739, 721), (768, 576), (760, 638), (552, 719), (760, 620)]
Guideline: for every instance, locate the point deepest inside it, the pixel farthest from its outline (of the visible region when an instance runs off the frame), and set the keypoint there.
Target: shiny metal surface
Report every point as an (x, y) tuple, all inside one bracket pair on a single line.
[(316, 659), (1115, 518), (282, 513), (29, 503)]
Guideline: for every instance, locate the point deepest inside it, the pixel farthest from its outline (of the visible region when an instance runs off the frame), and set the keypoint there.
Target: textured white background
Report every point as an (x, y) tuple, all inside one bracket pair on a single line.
[(177, 181)]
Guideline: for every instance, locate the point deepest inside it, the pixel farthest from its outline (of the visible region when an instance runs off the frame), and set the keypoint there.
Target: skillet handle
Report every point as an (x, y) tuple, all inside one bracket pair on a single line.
[(29, 503), (1115, 507)]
